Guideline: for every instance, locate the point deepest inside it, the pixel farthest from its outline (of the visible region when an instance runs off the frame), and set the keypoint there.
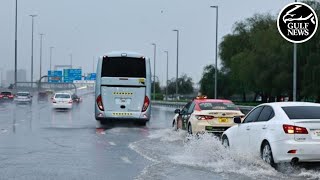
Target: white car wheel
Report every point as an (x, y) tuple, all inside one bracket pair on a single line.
[(266, 154), (225, 142)]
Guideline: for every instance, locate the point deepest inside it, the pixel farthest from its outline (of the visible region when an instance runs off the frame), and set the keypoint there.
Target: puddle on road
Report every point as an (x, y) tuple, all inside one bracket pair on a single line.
[(206, 152)]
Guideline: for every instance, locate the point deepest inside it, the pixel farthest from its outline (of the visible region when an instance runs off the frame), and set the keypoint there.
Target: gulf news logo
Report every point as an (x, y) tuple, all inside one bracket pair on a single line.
[(297, 22)]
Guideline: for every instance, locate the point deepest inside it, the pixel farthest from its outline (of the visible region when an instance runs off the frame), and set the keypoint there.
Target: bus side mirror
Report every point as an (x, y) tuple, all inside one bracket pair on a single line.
[(177, 111)]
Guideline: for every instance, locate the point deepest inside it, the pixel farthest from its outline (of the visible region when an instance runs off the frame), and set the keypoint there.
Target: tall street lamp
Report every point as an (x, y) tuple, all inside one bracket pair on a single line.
[(294, 93), (41, 36), (154, 70), (177, 90), (167, 74), (51, 57), (216, 60), (16, 45), (93, 64), (70, 60), (32, 28)]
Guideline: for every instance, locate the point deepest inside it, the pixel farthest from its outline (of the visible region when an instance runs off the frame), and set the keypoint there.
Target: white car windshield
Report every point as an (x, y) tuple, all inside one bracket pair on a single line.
[(66, 96), (22, 94), (302, 112)]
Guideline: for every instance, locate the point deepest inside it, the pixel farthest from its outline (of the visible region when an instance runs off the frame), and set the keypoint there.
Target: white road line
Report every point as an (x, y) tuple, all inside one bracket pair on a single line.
[(134, 148), (126, 160), (112, 143)]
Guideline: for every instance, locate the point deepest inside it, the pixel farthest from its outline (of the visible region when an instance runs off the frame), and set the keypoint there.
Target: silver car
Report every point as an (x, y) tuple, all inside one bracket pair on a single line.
[(23, 97)]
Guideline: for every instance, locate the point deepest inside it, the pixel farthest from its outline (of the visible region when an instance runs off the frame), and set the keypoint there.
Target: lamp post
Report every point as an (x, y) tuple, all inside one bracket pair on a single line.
[(177, 73), (294, 93), (167, 74), (71, 60), (32, 28), (216, 60), (93, 64), (154, 70), (41, 36), (16, 45), (51, 57)]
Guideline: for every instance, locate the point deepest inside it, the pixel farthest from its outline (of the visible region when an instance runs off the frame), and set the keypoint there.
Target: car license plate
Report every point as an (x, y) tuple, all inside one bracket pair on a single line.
[(123, 101), (316, 133), (5, 97), (223, 120)]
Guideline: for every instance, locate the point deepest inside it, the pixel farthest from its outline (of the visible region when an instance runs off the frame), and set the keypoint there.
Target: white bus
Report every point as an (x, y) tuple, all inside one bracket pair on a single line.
[(123, 87)]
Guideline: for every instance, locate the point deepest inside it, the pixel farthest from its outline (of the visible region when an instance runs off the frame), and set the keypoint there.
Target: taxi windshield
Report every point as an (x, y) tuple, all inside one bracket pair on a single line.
[(217, 106)]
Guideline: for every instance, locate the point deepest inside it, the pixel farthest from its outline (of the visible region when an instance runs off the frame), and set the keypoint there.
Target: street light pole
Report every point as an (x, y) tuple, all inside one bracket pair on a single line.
[(177, 73), (32, 28), (294, 94), (154, 70), (167, 74), (16, 45), (51, 57), (41, 35), (216, 60), (71, 60), (93, 65)]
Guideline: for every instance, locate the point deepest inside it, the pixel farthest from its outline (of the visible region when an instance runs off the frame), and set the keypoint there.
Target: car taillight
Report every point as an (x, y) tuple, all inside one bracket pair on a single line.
[(145, 104), (10, 96), (290, 129), (70, 102), (204, 117), (99, 103), (1, 96), (54, 101)]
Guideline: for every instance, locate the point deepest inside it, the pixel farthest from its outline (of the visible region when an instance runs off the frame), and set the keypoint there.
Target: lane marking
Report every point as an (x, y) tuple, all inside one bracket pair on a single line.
[(133, 147), (126, 160), (112, 143)]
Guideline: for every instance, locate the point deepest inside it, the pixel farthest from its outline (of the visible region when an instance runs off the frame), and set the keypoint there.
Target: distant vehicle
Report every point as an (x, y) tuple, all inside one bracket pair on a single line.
[(123, 87), (76, 98), (62, 101), (42, 96), (278, 132), (206, 115), (23, 97), (6, 95)]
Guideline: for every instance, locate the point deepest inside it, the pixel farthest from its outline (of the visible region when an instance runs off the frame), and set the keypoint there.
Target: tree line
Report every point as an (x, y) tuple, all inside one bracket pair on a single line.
[(256, 59)]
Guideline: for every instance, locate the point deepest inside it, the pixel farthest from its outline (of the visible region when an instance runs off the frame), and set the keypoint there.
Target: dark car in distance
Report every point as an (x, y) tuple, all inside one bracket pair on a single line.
[(6, 95)]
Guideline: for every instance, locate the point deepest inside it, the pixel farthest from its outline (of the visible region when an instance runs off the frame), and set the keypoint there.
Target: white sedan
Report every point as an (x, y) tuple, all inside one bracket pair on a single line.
[(278, 132), (62, 101), (23, 97)]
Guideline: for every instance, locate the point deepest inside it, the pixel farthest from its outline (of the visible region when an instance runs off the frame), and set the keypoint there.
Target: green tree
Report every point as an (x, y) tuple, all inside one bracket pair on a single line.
[(158, 89), (185, 85), (207, 81)]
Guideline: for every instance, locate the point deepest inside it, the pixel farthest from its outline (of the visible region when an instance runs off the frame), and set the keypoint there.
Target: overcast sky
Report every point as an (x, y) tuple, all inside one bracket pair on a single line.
[(88, 28)]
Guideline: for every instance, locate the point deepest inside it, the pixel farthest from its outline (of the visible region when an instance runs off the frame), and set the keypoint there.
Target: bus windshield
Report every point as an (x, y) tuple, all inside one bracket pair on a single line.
[(123, 67)]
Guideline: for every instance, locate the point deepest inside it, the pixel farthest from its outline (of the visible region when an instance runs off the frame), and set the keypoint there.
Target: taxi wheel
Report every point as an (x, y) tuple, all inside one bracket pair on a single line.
[(174, 125), (189, 129)]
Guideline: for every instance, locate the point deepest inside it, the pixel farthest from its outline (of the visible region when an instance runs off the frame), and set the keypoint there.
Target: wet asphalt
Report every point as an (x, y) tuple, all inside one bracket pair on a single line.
[(38, 142)]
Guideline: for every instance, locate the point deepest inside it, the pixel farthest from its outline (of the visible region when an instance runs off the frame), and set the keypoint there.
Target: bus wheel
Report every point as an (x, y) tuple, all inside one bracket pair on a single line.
[(141, 123)]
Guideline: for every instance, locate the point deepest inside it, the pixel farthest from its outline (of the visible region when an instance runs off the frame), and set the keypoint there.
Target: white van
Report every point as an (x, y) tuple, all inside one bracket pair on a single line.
[(123, 87)]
